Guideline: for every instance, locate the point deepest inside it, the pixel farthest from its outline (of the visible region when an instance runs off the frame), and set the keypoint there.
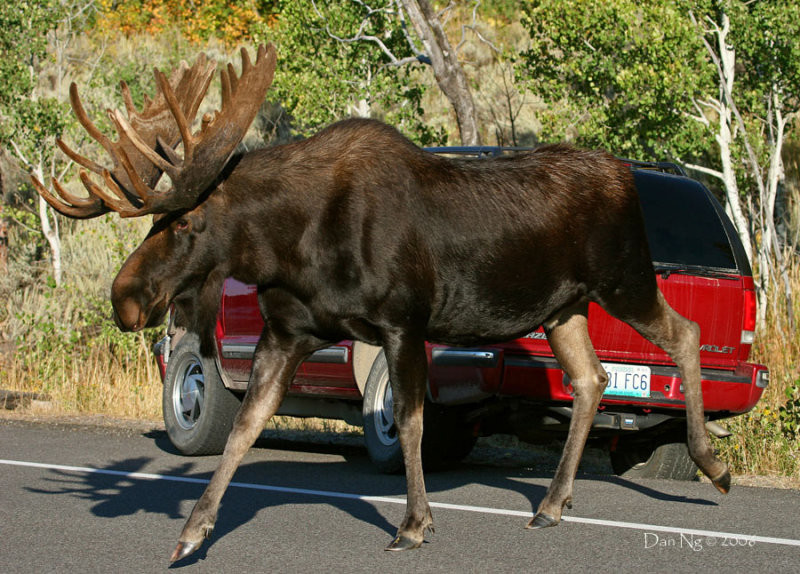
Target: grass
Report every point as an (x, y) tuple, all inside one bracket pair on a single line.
[(767, 439)]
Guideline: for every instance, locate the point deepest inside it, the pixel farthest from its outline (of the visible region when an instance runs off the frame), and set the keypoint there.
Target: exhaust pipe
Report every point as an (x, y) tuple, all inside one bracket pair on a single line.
[(717, 429)]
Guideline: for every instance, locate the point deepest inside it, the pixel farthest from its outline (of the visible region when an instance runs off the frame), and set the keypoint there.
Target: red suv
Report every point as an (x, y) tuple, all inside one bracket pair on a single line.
[(515, 387)]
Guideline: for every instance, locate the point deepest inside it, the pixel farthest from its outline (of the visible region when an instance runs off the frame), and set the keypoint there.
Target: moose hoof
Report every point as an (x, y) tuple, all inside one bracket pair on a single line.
[(183, 549), (541, 520), (723, 482), (403, 543)]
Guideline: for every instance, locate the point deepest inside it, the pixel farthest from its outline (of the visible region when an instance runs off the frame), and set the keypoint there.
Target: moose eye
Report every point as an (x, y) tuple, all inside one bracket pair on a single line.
[(182, 224)]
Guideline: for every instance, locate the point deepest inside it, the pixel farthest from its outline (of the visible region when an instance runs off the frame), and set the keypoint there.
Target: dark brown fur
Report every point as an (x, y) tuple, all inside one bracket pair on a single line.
[(356, 233)]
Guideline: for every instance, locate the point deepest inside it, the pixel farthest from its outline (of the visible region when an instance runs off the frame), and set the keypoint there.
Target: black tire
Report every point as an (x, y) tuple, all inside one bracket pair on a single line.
[(446, 438), (653, 460), (198, 409)]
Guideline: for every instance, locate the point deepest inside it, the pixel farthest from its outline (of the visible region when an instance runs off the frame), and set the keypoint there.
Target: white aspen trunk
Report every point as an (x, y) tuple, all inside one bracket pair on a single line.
[(50, 233), (725, 138), (775, 176)]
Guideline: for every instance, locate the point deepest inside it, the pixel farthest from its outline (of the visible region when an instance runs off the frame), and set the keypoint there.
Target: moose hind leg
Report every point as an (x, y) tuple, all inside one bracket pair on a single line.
[(408, 370), (568, 336), (273, 370), (680, 338)]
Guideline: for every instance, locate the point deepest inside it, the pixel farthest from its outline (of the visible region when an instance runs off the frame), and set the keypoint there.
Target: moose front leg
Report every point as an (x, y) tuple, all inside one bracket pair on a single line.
[(568, 336), (274, 367), (408, 374)]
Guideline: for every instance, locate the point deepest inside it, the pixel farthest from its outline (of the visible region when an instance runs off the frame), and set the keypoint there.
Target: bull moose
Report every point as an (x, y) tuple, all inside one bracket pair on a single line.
[(356, 233)]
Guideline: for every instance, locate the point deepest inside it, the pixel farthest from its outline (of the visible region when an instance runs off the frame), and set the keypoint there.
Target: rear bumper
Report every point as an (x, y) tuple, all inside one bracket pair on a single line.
[(725, 391)]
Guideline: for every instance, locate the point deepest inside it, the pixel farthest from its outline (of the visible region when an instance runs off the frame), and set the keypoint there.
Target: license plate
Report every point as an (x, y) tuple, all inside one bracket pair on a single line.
[(627, 380)]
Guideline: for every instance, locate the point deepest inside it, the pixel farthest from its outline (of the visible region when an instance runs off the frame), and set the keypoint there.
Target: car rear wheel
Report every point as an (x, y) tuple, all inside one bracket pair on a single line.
[(198, 410), (650, 459), (446, 438)]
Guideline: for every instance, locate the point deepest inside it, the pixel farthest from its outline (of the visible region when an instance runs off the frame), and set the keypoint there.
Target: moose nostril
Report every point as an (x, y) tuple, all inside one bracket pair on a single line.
[(126, 315)]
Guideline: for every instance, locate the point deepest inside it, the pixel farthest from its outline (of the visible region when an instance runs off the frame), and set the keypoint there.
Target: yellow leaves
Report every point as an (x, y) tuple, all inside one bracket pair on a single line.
[(229, 20)]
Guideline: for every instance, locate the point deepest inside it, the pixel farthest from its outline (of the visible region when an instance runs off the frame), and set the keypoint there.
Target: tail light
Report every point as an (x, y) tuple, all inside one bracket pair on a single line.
[(749, 320)]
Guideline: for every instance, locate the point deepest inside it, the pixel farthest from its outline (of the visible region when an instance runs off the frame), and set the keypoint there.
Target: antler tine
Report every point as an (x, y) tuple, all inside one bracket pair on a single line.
[(227, 78), (126, 209), (78, 211), (79, 159), (233, 78), (173, 156), (126, 97), (83, 118), (91, 129), (143, 193), (192, 87), (83, 208), (119, 205), (246, 63), (177, 113), (74, 200), (163, 121)]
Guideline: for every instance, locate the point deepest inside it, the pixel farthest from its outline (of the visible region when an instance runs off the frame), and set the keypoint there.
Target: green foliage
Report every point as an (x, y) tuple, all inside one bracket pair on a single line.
[(28, 240), (767, 439), (23, 38), (789, 413), (33, 123), (26, 117), (628, 76), (618, 74), (767, 39), (321, 79)]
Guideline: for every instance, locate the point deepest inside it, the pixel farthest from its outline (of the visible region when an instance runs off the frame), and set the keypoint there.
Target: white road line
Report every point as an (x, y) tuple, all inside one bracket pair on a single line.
[(398, 500)]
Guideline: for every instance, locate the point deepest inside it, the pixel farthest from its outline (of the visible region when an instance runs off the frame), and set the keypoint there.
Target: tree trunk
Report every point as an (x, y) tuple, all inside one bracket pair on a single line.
[(3, 243), (3, 223), (727, 57), (446, 68), (50, 233)]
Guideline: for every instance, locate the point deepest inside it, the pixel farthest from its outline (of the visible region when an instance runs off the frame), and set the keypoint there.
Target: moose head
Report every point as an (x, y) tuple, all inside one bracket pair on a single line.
[(175, 262)]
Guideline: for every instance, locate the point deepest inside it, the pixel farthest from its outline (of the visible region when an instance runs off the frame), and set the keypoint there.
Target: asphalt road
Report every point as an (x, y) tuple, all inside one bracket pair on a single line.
[(87, 499)]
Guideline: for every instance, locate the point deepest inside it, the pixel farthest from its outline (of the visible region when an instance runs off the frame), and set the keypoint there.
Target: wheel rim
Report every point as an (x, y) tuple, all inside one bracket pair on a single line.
[(383, 413), (188, 395)]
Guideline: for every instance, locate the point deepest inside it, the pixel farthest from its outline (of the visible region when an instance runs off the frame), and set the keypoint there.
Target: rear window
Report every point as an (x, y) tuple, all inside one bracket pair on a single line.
[(683, 225)]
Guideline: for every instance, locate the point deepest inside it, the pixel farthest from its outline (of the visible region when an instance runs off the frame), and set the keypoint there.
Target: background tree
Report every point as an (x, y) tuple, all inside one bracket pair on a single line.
[(756, 41), (30, 115), (375, 41), (446, 67), (330, 69), (659, 80)]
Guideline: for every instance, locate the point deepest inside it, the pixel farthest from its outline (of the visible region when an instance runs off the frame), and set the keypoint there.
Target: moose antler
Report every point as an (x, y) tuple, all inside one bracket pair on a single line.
[(147, 141)]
